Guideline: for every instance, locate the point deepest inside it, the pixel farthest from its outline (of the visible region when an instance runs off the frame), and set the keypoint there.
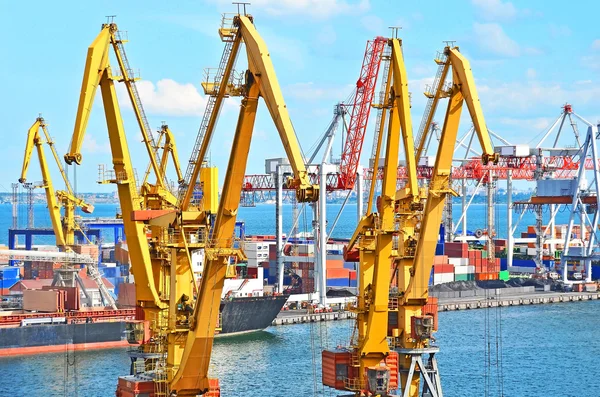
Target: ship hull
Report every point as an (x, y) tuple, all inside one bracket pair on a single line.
[(242, 315), (239, 315)]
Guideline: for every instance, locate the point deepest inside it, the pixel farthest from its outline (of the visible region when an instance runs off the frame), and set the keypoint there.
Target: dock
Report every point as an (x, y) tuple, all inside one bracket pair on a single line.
[(302, 316), (492, 300)]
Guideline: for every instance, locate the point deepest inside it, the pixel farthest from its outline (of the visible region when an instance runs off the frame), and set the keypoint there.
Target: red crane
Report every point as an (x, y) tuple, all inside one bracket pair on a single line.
[(361, 108)]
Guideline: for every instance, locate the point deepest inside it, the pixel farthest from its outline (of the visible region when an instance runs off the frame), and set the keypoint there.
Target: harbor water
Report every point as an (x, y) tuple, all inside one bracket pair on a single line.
[(544, 351), (261, 219)]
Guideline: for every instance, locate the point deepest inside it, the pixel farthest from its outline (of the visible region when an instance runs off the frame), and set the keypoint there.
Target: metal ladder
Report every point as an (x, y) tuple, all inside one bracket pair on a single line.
[(441, 59), (129, 79), (210, 106)]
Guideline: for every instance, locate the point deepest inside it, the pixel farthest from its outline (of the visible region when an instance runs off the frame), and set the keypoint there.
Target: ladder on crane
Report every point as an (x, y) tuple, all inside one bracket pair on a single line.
[(227, 32), (441, 59), (129, 79)]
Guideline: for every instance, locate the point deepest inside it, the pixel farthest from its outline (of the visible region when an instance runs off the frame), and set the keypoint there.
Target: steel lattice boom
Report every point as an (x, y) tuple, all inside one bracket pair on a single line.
[(361, 108)]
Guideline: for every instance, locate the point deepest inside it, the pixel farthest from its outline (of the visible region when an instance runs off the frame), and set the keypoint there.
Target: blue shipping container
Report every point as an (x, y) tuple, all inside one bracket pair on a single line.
[(10, 272), (503, 264), (353, 283), (8, 282), (524, 262), (337, 282), (439, 249), (595, 272), (350, 265)]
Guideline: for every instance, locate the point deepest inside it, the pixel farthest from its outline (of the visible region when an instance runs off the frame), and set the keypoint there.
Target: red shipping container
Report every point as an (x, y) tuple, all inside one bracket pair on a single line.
[(352, 274), (443, 268)]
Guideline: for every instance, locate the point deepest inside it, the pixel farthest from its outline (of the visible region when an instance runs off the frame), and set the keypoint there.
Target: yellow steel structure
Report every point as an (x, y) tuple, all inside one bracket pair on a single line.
[(98, 57), (161, 263), (64, 230), (191, 377), (243, 31), (169, 149), (97, 72), (397, 242)]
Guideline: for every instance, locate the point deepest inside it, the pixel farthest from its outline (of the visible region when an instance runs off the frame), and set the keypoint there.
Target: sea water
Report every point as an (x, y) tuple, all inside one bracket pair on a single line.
[(529, 351)]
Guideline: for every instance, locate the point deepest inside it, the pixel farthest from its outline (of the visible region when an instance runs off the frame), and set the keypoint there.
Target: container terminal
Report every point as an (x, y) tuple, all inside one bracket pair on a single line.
[(182, 270)]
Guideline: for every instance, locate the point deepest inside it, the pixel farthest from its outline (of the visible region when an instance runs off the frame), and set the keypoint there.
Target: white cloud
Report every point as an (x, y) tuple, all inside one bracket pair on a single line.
[(373, 24), (531, 73), (91, 145), (533, 124), (167, 98), (492, 38), (557, 31), (596, 44), (313, 92), (495, 10), (519, 97), (318, 9), (326, 36)]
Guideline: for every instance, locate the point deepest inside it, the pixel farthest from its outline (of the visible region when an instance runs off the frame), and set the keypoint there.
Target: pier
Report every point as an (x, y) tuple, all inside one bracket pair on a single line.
[(536, 298), (302, 316)]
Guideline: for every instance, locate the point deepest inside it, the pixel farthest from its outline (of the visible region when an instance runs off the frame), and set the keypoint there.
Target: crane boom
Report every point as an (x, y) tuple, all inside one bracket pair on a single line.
[(361, 109)]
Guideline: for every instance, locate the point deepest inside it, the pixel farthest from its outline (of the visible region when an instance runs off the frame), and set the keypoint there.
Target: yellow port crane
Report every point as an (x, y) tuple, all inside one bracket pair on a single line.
[(190, 373), (177, 333), (396, 246), (166, 142), (63, 230)]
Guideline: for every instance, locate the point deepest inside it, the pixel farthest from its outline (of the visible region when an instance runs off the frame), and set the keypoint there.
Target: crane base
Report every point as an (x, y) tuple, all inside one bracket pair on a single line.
[(430, 376)]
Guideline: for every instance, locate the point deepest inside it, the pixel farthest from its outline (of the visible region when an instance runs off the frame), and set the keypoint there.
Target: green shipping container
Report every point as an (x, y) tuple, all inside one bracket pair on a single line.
[(504, 275), (461, 277), (484, 254), (471, 277)]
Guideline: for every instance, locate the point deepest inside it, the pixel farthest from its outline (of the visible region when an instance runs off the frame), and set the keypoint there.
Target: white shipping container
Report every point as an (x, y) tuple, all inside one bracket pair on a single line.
[(531, 251), (461, 270), (427, 161), (441, 278), (260, 256), (458, 261), (513, 150), (470, 269)]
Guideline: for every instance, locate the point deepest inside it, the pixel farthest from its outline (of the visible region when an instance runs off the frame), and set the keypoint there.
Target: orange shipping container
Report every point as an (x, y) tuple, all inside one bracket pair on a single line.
[(335, 263), (338, 273)]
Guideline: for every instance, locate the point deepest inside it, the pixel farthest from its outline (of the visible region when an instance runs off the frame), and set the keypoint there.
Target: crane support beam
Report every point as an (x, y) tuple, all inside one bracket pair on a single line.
[(260, 64), (461, 69), (192, 377), (141, 265), (401, 115)]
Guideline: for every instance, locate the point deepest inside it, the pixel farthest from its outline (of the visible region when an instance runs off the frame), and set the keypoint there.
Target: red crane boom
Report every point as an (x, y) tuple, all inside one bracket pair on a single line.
[(361, 108)]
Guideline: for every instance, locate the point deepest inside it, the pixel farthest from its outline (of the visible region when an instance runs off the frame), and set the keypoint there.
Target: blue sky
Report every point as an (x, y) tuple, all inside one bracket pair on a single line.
[(528, 58)]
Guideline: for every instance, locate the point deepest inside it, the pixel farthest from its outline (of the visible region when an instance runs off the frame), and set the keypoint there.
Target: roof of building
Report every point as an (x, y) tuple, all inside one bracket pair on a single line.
[(39, 283)]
